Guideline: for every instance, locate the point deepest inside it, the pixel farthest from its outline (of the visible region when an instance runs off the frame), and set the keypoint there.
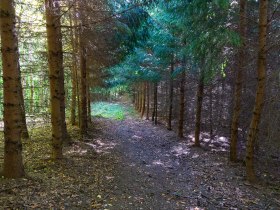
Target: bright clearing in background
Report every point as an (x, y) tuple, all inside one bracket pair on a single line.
[(108, 110)]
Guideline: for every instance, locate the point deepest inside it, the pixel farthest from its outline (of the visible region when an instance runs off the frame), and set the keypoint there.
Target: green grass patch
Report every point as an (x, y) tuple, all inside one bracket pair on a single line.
[(108, 110)]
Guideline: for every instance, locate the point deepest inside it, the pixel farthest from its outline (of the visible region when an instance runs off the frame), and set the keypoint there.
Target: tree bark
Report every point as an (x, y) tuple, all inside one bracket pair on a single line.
[(32, 97), (13, 164), (199, 95), (136, 97), (154, 117), (65, 136), (259, 101), (144, 100), (238, 83), (88, 99), (182, 105), (140, 98), (24, 130), (171, 93), (73, 71), (211, 112), (148, 101), (83, 91), (55, 69)]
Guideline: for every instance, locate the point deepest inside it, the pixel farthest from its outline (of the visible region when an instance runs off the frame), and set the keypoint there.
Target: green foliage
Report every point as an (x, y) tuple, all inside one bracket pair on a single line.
[(108, 110), (193, 34)]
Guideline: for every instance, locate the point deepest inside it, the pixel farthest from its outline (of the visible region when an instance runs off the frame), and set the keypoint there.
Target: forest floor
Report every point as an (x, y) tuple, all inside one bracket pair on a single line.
[(131, 164)]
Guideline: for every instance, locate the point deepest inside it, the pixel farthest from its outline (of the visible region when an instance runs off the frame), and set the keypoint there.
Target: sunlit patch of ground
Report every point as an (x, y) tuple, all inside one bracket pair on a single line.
[(108, 110), (68, 183), (216, 143)]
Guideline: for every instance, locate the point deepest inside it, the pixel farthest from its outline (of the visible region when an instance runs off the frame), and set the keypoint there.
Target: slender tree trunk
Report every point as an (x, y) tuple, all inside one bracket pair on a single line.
[(73, 72), (154, 117), (55, 68), (148, 101), (200, 90), (88, 99), (78, 54), (83, 91), (24, 132), (144, 100), (137, 97), (171, 93), (238, 83), (182, 106), (13, 164), (221, 104), (65, 136), (140, 98), (73, 97), (32, 97), (78, 77), (133, 97), (259, 101), (211, 112), (166, 106)]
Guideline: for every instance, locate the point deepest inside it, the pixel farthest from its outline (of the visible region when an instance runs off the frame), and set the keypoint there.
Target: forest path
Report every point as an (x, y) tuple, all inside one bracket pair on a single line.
[(153, 169), (130, 164)]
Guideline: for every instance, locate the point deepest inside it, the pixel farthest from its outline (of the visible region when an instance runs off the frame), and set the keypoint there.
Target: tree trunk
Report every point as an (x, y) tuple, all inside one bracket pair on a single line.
[(13, 164), (88, 99), (73, 96), (77, 73), (133, 97), (148, 101), (211, 112), (259, 101), (65, 136), (83, 91), (154, 117), (136, 97), (140, 98), (83, 78), (55, 68), (238, 83), (171, 93), (200, 90), (73, 71), (32, 97), (24, 130), (78, 77), (182, 106), (144, 100)]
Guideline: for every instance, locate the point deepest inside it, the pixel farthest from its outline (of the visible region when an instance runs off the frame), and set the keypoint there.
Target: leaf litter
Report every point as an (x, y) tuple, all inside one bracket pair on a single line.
[(131, 164)]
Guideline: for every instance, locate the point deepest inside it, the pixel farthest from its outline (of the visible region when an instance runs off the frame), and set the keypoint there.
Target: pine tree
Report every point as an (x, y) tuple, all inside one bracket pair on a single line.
[(55, 59), (259, 101), (13, 163)]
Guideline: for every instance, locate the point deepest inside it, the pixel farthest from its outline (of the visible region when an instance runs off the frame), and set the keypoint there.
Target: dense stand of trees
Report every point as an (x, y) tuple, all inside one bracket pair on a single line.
[(190, 65), (199, 59)]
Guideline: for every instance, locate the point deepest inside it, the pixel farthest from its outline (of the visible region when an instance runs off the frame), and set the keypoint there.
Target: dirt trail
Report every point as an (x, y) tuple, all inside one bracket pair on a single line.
[(130, 165), (153, 169)]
